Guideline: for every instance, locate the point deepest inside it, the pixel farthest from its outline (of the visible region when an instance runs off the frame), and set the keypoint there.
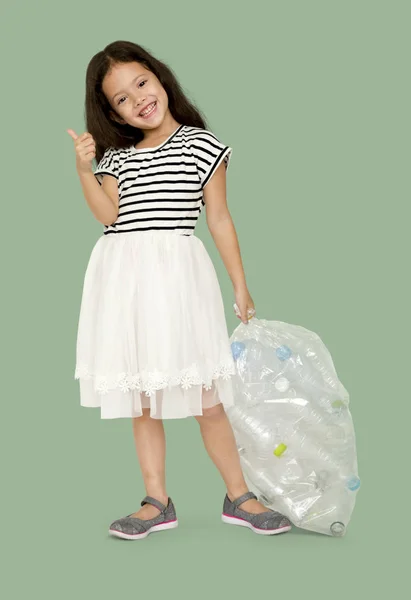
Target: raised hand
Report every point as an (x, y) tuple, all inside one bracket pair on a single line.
[(85, 148)]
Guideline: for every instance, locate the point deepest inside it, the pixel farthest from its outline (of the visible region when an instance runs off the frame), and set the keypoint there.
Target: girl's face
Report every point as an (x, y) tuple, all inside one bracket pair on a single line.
[(130, 87)]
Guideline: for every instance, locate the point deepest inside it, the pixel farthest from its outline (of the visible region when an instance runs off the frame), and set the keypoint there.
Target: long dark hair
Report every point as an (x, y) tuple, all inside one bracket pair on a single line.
[(107, 132)]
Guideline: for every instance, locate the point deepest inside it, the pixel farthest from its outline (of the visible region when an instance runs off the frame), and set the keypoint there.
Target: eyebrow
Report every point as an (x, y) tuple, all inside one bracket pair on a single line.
[(135, 79)]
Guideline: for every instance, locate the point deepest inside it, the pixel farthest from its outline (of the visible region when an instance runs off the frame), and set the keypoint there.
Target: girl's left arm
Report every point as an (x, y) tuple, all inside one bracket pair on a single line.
[(221, 227)]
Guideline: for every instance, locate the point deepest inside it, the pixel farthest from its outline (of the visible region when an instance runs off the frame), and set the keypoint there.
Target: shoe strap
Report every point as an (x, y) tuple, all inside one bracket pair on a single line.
[(150, 500), (247, 496)]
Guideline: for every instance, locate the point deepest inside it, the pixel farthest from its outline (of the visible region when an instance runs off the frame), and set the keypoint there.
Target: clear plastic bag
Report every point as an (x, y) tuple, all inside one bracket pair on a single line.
[(293, 426)]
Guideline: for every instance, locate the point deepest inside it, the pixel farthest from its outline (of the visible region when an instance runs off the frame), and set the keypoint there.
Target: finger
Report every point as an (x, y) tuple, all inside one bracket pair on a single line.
[(80, 138), (90, 144), (250, 313), (72, 133)]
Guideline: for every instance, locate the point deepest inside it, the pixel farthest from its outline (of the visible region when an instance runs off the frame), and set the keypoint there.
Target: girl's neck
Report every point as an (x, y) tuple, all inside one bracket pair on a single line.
[(154, 142), (154, 137)]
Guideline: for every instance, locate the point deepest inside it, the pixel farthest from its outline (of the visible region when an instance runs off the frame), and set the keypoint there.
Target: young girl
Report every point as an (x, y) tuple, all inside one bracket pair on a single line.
[(152, 337)]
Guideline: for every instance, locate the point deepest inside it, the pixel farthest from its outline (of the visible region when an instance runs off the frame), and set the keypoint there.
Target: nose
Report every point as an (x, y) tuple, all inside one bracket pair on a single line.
[(140, 102)]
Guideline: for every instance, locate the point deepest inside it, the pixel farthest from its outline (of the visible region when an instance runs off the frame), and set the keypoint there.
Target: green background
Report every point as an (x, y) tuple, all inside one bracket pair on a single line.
[(314, 99)]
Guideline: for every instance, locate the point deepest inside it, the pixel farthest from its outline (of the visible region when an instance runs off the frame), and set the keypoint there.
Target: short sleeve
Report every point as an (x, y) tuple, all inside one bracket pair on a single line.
[(108, 165), (209, 152)]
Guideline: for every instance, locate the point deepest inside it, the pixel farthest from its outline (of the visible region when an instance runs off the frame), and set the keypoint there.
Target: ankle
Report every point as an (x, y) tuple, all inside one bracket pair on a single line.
[(161, 497), (233, 494)]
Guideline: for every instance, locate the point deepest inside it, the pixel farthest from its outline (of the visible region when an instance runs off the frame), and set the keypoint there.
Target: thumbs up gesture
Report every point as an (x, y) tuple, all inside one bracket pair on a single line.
[(85, 148)]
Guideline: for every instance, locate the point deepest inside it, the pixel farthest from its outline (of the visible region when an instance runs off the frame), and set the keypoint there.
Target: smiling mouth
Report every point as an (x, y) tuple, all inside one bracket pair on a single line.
[(151, 108)]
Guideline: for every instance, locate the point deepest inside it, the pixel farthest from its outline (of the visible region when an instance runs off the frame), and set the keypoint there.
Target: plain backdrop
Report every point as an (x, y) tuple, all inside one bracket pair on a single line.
[(313, 97)]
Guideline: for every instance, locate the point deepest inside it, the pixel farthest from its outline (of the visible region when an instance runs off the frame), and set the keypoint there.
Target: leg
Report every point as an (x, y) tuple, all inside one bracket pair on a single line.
[(149, 439), (219, 441)]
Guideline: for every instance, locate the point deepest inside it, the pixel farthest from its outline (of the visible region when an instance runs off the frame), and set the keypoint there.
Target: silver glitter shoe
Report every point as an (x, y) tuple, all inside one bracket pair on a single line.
[(133, 528), (266, 523)]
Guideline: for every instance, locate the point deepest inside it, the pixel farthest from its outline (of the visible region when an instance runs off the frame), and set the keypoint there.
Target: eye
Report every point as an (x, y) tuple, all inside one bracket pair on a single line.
[(143, 81)]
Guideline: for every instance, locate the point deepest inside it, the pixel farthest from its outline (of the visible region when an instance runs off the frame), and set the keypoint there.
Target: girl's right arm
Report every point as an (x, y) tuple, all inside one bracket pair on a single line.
[(101, 204), (102, 199)]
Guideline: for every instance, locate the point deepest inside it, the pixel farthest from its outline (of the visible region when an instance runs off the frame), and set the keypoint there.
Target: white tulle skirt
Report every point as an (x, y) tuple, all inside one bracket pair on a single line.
[(152, 331)]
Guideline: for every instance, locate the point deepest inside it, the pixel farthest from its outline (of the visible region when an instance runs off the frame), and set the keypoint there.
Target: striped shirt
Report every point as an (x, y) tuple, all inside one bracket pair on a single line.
[(162, 187)]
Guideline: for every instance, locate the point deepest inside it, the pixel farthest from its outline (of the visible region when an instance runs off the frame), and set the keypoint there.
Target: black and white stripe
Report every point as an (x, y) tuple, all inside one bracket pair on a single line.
[(161, 188)]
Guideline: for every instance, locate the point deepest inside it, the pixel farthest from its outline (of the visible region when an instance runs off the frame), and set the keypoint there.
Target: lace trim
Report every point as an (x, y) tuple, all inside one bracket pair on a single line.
[(150, 381)]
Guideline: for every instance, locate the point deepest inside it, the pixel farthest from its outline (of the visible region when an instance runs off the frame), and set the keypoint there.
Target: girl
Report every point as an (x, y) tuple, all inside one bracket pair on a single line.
[(152, 337)]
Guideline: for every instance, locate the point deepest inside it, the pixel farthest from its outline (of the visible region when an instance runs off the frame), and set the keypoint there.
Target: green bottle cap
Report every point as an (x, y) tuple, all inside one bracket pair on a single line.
[(281, 448)]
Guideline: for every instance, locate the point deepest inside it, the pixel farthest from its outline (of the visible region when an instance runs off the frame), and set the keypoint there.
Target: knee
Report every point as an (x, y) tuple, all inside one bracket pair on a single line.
[(210, 414)]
